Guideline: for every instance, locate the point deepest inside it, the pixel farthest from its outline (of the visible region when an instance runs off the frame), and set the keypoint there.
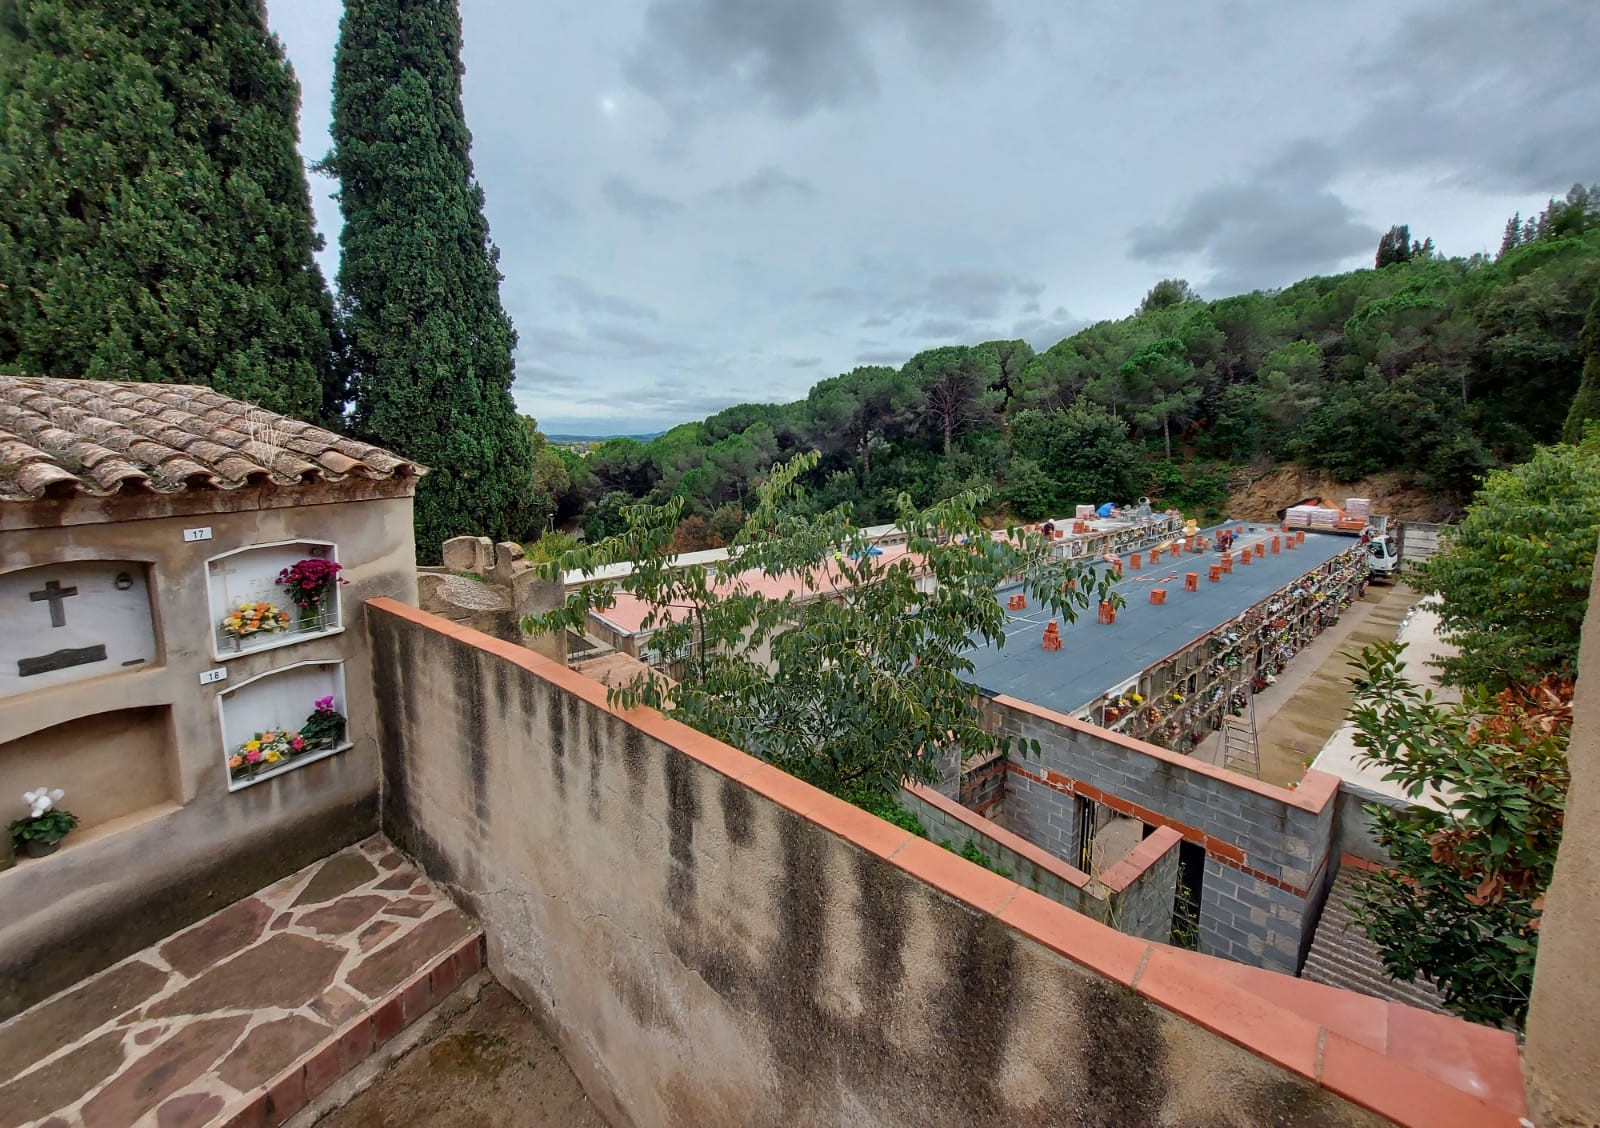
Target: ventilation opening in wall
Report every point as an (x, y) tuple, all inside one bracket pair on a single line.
[(281, 721), (271, 595)]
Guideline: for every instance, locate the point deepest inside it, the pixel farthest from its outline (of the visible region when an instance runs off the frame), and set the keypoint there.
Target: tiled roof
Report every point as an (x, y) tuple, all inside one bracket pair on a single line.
[(66, 438)]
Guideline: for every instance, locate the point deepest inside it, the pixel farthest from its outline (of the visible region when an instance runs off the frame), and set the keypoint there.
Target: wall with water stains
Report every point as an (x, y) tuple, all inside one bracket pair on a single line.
[(715, 943)]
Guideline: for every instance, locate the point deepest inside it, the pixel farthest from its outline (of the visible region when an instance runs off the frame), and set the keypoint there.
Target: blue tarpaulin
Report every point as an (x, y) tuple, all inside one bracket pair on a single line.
[(1104, 510)]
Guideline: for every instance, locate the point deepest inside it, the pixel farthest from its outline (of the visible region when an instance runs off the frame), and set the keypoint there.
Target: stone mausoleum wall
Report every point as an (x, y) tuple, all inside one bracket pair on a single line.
[(714, 942), (1267, 849), (137, 742)]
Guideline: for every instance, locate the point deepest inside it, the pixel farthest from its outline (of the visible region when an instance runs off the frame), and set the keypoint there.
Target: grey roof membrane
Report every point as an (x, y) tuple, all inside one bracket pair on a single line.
[(1095, 658)]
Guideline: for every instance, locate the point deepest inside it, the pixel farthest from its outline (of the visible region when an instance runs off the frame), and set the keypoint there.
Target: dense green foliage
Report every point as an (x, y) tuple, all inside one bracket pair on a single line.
[(1514, 579), (891, 702), (431, 346), (1439, 369), (1461, 902), (155, 221)]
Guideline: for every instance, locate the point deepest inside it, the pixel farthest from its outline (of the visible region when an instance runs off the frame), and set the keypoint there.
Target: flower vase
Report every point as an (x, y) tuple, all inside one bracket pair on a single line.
[(37, 848), (313, 619)]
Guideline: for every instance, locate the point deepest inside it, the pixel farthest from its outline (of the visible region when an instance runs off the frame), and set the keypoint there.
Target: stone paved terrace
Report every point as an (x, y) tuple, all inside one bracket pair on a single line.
[(240, 1018)]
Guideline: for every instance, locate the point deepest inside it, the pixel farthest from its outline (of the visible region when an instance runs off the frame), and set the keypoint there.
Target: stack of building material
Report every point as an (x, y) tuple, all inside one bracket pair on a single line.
[(1299, 516), (1324, 518), (1357, 507)]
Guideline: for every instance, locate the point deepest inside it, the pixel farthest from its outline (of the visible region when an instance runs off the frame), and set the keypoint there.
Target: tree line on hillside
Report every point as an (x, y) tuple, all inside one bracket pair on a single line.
[(155, 224), (1440, 368)]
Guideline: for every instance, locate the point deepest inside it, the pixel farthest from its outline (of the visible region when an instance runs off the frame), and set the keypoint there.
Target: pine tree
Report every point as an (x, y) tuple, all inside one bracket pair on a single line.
[(155, 221), (431, 347), (1512, 239), (1586, 404), (1394, 246)]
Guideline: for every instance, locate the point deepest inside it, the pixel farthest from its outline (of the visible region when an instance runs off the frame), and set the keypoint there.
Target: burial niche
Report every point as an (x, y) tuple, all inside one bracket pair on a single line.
[(70, 621)]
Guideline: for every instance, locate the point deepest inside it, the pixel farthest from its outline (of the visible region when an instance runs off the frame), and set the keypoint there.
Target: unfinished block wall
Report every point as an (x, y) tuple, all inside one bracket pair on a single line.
[(1267, 848)]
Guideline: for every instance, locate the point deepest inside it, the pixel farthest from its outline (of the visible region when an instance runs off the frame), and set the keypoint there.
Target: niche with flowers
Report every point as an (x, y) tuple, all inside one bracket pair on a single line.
[(282, 720), (272, 595)]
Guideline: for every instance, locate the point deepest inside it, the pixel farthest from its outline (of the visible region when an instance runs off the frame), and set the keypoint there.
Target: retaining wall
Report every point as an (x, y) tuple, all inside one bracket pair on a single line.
[(713, 942)]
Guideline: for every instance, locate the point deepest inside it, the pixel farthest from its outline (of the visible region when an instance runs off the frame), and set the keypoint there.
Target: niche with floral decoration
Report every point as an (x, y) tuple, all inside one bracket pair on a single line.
[(282, 720)]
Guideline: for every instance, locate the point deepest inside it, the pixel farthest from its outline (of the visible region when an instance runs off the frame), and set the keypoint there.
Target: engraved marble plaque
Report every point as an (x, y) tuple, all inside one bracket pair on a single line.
[(65, 622)]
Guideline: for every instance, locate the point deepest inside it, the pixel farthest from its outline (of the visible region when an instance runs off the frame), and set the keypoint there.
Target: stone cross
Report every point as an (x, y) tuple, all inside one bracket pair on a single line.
[(55, 595)]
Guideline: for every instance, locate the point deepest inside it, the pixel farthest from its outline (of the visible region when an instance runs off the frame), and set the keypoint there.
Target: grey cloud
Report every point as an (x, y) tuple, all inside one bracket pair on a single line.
[(534, 377), (877, 321), (765, 184), (1485, 93), (882, 356), (837, 295), (553, 205), (946, 329), (971, 294), (631, 342), (629, 199), (803, 361), (1254, 235), (1042, 332), (794, 58), (681, 398), (585, 299)]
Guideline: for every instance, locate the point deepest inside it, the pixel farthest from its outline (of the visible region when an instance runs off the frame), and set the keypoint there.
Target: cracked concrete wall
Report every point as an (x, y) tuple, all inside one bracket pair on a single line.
[(707, 957)]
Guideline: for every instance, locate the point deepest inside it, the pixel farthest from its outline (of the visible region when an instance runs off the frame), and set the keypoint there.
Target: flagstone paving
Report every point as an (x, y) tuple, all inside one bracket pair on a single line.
[(241, 1018)]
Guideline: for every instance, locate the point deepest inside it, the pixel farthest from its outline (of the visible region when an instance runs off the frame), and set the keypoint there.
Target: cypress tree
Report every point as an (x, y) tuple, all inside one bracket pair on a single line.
[(418, 283), (155, 221), (1586, 404)]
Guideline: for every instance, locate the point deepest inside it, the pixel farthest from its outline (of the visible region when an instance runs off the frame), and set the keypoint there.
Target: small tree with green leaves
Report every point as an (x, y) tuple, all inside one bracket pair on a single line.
[(1514, 579), (855, 682), (1461, 904)]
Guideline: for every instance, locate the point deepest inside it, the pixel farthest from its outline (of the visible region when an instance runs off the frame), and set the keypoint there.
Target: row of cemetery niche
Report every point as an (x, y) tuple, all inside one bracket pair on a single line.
[(79, 620), (1180, 700), (261, 598)]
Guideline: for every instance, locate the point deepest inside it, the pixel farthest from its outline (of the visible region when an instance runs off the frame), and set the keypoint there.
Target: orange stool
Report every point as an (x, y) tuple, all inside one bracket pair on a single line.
[(1052, 636), (1246, 556), (1275, 545), (1261, 549), (1191, 581), (1215, 575), (1108, 613), (1136, 561), (1158, 596)]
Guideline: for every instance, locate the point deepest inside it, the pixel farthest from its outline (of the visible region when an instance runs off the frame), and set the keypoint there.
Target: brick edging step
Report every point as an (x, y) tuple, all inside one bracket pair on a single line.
[(319, 1067)]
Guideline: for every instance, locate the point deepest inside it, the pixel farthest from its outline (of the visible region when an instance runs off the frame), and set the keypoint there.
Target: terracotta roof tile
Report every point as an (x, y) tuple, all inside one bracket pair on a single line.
[(101, 437)]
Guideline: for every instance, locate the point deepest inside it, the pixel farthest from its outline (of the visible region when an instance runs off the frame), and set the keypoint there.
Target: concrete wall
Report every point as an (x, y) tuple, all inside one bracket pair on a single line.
[(716, 943), (1135, 896), (1563, 1051), (1267, 848), (177, 844), (1419, 540)]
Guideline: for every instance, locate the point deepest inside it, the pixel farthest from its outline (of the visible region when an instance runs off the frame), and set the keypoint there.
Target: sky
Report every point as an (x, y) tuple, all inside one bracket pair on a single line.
[(707, 202)]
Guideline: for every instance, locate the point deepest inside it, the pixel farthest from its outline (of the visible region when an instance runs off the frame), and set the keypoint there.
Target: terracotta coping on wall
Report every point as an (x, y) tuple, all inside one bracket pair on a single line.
[(1137, 862), (1128, 869), (1072, 875), (1313, 794), (1429, 1070)]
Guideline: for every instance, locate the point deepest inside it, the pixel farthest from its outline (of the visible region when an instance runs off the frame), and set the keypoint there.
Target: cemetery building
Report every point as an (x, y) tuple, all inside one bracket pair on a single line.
[(143, 532)]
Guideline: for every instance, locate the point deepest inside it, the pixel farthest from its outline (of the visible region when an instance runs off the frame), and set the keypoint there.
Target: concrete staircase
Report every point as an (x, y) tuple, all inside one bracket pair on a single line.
[(1342, 956)]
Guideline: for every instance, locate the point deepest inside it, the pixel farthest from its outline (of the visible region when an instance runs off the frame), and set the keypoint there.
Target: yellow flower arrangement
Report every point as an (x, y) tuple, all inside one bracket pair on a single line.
[(254, 618)]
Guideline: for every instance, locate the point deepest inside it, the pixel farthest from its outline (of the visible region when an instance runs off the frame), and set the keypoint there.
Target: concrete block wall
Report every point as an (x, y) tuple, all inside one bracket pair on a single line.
[(1267, 848), (1134, 896)]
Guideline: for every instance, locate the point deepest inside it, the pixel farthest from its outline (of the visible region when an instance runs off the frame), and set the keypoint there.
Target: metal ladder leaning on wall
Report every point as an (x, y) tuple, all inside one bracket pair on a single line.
[(1241, 745)]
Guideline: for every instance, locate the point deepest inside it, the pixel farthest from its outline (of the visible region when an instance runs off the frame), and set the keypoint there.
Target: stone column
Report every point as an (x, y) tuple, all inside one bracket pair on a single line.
[(1562, 1058)]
